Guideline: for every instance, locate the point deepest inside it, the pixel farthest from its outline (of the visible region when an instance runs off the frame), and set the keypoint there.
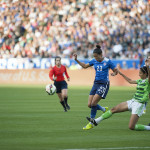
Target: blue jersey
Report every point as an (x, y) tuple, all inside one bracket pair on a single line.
[(102, 69)]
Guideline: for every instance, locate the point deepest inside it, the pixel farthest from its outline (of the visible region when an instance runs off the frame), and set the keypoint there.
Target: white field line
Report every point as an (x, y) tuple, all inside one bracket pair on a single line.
[(113, 148)]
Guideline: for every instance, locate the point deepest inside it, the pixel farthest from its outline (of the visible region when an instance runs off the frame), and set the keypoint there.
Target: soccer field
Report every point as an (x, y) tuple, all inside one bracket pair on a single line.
[(32, 120)]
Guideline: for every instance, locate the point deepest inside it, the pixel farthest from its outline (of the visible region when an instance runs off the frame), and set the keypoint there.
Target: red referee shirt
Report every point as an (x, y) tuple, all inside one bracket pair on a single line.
[(59, 73)]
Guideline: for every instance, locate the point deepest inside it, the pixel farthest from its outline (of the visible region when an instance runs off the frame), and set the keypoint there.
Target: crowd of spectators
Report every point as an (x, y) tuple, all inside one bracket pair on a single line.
[(46, 28)]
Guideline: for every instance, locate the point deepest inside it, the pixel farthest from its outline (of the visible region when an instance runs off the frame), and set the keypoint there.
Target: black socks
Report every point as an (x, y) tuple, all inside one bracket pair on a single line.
[(65, 99), (63, 104)]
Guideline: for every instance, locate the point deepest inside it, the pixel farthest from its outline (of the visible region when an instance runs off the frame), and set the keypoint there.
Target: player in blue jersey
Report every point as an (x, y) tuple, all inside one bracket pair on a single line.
[(101, 83)]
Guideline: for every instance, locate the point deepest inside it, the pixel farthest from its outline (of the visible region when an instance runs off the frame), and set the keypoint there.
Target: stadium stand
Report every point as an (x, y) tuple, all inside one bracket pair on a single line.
[(46, 28)]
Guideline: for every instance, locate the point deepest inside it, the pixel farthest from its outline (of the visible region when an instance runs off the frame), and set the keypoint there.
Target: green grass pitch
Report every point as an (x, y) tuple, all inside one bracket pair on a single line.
[(32, 120)]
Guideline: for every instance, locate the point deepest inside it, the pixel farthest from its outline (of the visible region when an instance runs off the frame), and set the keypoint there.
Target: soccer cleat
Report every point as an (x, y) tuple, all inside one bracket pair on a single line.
[(68, 107), (144, 111), (88, 126), (149, 124), (65, 110), (106, 109), (92, 120)]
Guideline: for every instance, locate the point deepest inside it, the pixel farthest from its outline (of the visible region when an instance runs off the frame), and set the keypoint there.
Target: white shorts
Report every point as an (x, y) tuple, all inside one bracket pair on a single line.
[(135, 107)]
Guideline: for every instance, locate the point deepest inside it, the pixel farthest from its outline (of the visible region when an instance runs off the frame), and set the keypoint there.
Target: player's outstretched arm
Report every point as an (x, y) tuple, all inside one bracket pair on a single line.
[(148, 69), (127, 79), (81, 63), (147, 63), (149, 74)]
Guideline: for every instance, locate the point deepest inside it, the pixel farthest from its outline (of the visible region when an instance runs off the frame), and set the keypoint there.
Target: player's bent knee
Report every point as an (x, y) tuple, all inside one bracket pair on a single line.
[(131, 127), (64, 95), (93, 104), (89, 105)]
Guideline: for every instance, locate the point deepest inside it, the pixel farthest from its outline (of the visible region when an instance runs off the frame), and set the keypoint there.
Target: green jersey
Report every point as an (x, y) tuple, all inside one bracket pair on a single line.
[(142, 91)]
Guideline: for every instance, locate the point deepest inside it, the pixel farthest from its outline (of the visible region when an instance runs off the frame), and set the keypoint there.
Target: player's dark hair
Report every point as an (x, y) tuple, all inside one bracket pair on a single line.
[(144, 70), (56, 58), (98, 50)]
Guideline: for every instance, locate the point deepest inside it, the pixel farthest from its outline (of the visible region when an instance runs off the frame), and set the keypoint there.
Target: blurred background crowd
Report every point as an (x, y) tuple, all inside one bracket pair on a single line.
[(46, 28)]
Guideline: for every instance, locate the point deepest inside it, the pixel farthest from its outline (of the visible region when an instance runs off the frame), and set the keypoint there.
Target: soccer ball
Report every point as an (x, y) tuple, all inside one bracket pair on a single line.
[(50, 89)]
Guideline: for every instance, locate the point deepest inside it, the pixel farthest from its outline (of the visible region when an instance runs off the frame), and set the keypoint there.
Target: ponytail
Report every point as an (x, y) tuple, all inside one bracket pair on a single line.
[(98, 50)]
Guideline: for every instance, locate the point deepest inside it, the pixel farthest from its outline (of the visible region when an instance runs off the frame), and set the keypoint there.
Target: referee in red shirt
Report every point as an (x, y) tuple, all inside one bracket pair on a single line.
[(56, 74)]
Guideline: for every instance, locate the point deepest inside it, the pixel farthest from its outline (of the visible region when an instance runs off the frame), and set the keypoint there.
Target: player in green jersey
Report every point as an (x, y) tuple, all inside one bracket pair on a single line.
[(136, 105), (147, 60)]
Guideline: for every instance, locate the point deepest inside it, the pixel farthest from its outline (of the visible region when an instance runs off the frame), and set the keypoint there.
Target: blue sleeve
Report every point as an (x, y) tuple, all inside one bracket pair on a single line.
[(111, 65), (91, 63)]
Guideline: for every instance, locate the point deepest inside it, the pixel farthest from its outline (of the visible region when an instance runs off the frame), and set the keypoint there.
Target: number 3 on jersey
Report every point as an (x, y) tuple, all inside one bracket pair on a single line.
[(99, 68)]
